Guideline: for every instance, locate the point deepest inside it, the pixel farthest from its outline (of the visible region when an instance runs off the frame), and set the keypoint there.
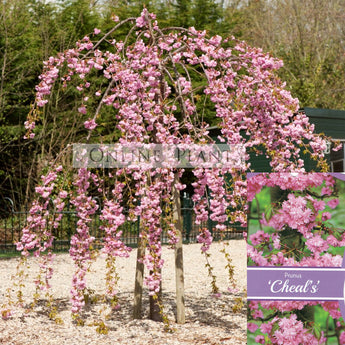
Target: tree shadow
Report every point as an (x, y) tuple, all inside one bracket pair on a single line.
[(205, 310)]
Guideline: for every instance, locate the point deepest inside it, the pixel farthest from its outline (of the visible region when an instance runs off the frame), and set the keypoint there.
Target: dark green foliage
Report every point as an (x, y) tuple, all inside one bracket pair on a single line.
[(207, 15), (30, 32), (308, 37)]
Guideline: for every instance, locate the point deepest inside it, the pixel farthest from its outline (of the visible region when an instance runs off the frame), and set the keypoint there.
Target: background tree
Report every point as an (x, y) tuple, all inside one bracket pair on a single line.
[(208, 15), (21, 53), (30, 32), (308, 37)]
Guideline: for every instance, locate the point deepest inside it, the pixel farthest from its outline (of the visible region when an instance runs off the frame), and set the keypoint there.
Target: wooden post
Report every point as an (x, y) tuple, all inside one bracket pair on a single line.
[(179, 275), (139, 279)]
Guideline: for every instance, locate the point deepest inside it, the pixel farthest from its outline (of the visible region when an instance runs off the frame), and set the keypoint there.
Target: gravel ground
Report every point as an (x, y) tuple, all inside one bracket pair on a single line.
[(209, 320)]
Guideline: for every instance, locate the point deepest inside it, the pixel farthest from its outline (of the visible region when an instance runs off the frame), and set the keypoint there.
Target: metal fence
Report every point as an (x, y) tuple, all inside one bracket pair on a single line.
[(13, 221)]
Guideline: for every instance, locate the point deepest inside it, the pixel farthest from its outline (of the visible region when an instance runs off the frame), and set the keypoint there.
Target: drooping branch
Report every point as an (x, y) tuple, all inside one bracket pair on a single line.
[(157, 85), (112, 82)]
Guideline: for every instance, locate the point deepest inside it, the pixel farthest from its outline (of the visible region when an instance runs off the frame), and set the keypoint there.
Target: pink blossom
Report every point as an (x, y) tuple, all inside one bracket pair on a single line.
[(266, 327), (260, 339), (63, 194), (252, 327), (117, 307), (333, 203), (233, 290), (316, 244), (319, 205), (259, 237), (326, 191), (326, 216), (115, 18), (82, 109), (332, 241), (205, 238), (217, 295), (141, 21), (258, 314), (342, 338), (90, 124), (96, 31)]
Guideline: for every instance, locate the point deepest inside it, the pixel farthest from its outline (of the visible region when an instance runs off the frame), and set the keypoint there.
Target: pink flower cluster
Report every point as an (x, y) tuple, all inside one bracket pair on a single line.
[(113, 217), (150, 215), (296, 214), (81, 241), (37, 234), (294, 181), (291, 331), (304, 212), (205, 238)]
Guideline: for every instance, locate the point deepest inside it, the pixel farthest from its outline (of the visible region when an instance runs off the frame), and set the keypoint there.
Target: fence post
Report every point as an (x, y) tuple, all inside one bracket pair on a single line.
[(10, 209), (209, 220), (187, 215)]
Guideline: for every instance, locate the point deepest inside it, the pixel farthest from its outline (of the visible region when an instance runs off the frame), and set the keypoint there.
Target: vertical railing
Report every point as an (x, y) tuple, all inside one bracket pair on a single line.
[(187, 216), (12, 222)]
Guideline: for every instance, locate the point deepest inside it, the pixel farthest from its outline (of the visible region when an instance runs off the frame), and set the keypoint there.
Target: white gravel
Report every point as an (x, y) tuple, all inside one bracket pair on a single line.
[(209, 320)]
